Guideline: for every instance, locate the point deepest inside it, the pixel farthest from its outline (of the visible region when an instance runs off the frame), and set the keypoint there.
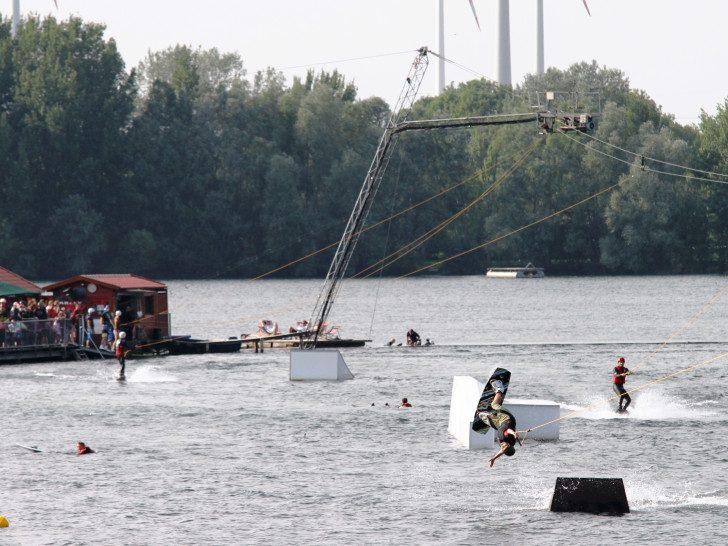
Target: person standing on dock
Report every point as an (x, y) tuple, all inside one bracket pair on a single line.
[(107, 328), (90, 326), (127, 321), (117, 323), (4, 319), (620, 376)]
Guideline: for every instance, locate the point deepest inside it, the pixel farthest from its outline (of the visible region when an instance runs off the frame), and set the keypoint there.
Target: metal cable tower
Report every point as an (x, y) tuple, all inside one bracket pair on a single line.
[(366, 196)]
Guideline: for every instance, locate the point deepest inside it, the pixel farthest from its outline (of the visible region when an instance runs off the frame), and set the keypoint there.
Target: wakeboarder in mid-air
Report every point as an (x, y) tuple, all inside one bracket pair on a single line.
[(490, 413), (502, 421)]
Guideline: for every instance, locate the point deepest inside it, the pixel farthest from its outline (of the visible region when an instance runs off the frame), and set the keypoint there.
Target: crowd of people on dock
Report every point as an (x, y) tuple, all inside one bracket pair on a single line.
[(47, 321)]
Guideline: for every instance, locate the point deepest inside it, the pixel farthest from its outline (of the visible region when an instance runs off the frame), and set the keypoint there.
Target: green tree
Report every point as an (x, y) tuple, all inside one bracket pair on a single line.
[(184, 67), (65, 102), (712, 153), (656, 223)]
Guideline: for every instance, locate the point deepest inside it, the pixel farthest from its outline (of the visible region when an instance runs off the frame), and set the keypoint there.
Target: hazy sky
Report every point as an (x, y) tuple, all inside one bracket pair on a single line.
[(673, 50)]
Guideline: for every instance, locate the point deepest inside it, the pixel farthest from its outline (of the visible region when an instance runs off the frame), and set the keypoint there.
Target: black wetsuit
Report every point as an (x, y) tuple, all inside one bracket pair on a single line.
[(619, 387)]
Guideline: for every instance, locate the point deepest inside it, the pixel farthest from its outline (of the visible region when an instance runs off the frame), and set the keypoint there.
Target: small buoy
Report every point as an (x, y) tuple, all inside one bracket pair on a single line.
[(3, 522)]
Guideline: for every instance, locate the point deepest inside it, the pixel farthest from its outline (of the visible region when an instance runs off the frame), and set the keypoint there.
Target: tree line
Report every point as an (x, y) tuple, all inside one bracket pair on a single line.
[(185, 167)]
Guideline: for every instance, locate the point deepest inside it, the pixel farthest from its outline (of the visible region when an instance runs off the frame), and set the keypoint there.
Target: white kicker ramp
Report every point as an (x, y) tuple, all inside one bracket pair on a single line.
[(466, 393), (529, 413), (318, 365)]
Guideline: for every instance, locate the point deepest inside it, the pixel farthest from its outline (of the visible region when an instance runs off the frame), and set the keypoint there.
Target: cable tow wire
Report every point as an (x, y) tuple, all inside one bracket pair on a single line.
[(406, 249), (522, 228), (693, 367), (644, 159), (688, 323)]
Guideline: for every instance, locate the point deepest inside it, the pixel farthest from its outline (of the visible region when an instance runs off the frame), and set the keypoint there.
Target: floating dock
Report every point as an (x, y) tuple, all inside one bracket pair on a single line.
[(528, 272)]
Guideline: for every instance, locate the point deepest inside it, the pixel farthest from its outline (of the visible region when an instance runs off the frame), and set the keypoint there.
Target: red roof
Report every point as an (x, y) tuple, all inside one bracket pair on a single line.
[(123, 281), (11, 283)]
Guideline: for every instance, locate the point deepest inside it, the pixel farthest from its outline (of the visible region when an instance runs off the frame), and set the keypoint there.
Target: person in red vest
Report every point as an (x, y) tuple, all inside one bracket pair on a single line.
[(83, 449), (405, 404), (121, 347), (620, 375)]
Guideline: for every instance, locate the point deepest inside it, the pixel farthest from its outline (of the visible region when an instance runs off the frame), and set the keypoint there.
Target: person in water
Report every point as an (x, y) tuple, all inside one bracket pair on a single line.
[(83, 449), (620, 376), (405, 404)]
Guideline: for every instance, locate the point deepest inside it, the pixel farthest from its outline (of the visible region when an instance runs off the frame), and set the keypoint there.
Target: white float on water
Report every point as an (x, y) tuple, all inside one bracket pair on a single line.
[(466, 393), (318, 365)]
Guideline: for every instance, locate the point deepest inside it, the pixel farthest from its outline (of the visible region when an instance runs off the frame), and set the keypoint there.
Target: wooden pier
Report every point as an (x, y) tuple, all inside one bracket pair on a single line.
[(295, 341)]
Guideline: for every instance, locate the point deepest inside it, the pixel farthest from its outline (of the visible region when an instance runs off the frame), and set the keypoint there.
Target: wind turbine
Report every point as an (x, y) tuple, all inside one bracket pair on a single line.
[(503, 50), (503, 53), (16, 17), (441, 42), (539, 35)]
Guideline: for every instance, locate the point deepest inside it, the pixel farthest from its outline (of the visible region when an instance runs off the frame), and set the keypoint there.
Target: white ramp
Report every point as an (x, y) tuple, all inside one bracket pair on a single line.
[(529, 413), (532, 413), (318, 365), (465, 396)]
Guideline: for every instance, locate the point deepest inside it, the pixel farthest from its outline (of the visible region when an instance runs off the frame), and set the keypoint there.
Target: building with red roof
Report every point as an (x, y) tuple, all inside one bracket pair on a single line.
[(13, 285), (143, 301)]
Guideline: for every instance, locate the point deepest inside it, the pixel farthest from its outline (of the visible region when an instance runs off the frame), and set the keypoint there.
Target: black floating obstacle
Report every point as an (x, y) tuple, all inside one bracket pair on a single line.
[(593, 495)]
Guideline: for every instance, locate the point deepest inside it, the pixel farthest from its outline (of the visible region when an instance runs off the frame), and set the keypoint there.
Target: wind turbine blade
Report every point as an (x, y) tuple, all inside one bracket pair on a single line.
[(587, 7), (476, 15)]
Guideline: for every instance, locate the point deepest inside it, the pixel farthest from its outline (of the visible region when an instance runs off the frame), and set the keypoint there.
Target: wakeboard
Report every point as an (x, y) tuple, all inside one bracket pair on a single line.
[(30, 448), (487, 396)]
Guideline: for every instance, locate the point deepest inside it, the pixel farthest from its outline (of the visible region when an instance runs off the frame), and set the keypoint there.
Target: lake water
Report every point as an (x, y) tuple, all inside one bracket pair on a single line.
[(224, 449)]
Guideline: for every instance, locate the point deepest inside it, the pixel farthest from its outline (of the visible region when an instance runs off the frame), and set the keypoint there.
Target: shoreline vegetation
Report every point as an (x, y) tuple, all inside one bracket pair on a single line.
[(188, 167)]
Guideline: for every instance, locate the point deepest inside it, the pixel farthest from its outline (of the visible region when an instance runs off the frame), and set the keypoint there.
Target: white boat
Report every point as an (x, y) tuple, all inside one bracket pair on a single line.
[(528, 272)]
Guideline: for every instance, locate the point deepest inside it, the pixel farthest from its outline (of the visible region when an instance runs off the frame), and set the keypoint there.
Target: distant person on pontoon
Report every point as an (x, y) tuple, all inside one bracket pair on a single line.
[(83, 449), (429, 342), (405, 404), (301, 326), (390, 343), (267, 327), (413, 338), (620, 376)]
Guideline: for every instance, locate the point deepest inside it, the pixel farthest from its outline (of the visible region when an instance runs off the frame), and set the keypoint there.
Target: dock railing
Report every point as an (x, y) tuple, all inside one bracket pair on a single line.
[(37, 333)]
